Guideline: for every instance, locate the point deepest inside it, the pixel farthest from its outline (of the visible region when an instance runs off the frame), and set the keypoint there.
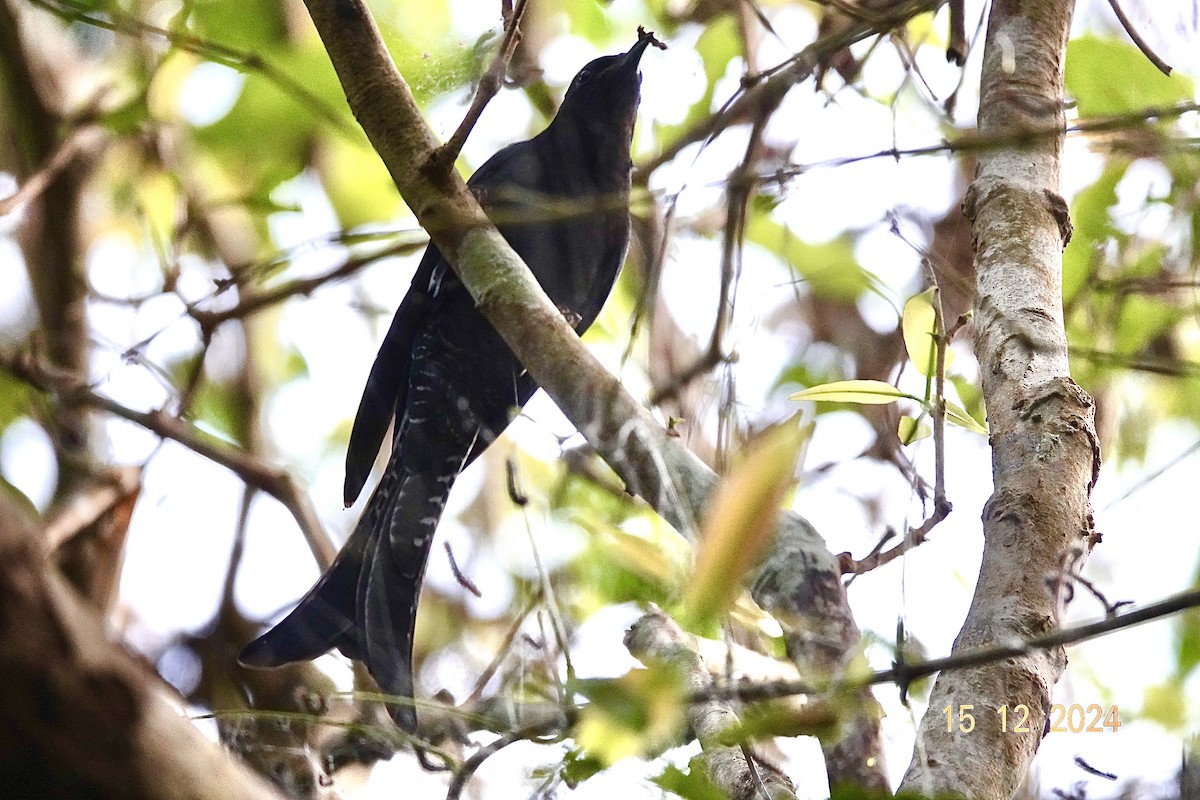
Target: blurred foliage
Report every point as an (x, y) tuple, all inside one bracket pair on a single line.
[(225, 121), (639, 714)]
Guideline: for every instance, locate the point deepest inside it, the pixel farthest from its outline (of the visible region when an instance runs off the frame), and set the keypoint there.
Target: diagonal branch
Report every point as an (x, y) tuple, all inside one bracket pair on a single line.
[(489, 85), (1127, 24), (274, 481)]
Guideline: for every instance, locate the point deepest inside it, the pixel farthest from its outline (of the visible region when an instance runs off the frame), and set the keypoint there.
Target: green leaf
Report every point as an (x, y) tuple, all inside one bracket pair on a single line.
[(912, 430), (830, 268), (740, 520), (863, 392), (1166, 704), (1143, 319), (639, 714), (250, 25), (358, 185), (1092, 229), (956, 415), (1189, 641), (1109, 76), (15, 400), (691, 785), (919, 325), (717, 46), (578, 766)]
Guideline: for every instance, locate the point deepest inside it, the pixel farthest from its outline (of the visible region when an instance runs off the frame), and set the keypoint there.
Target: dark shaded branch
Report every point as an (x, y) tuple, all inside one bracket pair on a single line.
[(50, 236), (1127, 24), (82, 717)]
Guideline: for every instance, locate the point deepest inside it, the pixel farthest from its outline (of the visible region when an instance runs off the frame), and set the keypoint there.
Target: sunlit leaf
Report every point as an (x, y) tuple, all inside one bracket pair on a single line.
[(640, 713), (919, 325), (1188, 640), (789, 717), (829, 269), (578, 766), (740, 521), (863, 392), (691, 785), (957, 416), (1092, 228), (1108, 76), (911, 430), (358, 185), (1166, 703)]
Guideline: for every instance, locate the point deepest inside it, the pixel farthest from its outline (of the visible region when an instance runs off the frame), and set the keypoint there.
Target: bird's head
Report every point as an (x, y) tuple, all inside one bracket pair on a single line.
[(607, 90)]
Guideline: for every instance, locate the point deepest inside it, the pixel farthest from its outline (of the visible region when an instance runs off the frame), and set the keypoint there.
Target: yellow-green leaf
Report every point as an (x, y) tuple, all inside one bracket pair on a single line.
[(958, 416), (919, 325), (863, 392), (740, 520), (911, 430), (639, 714), (1108, 76)]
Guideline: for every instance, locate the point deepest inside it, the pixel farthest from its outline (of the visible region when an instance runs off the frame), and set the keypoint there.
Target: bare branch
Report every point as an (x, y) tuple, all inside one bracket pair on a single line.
[(81, 140), (117, 733), (658, 638), (209, 321), (489, 85), (904, 674), (1127, 24), (274, 481)]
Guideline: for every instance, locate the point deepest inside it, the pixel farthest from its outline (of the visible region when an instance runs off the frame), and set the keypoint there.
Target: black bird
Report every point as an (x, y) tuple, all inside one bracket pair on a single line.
[(561, 199)]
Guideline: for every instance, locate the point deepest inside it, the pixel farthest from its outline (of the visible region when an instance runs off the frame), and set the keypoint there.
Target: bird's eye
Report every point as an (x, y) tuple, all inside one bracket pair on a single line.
[(584, 75)]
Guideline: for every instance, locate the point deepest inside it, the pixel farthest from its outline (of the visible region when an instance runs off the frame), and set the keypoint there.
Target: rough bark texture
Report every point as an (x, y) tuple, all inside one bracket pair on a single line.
[(78, 716), (658, 638), (799, 585), (1044, 448)]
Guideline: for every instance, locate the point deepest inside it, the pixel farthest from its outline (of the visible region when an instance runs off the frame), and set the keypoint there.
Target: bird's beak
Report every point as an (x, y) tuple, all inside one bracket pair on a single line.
[(629, 61)]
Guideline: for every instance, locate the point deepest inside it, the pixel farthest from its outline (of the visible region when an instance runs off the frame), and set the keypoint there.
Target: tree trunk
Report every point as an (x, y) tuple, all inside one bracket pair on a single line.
[(1045, 457)]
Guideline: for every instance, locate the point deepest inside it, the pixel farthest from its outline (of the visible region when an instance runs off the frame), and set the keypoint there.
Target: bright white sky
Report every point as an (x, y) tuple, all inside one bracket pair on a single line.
[(179, 540)]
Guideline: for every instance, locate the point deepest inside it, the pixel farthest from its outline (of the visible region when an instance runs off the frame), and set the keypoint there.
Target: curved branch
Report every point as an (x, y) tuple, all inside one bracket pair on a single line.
[(274, 481)]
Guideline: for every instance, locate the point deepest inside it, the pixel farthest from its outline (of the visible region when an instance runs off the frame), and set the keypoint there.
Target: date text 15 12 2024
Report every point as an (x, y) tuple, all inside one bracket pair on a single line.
[(1073, 718)]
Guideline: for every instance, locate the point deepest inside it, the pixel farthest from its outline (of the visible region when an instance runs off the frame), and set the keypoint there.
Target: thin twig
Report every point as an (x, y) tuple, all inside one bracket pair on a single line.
[(969, 143), (79, 141), (486, 676), (274, 481), (210, 320), (468, 768), (1127, 24), (240, 60), (1110, 607), (489, 85), (711, 357), (238, 551), (941, 505), (462, 579), (766, 87), (905, 674)]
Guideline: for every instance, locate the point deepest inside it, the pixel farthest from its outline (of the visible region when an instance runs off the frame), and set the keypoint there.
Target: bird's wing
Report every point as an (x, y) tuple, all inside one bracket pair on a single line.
[(388, 382), (384, 396)]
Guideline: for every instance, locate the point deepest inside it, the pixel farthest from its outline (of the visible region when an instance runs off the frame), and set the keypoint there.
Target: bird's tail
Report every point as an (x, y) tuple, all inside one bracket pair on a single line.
[(365, 605)]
